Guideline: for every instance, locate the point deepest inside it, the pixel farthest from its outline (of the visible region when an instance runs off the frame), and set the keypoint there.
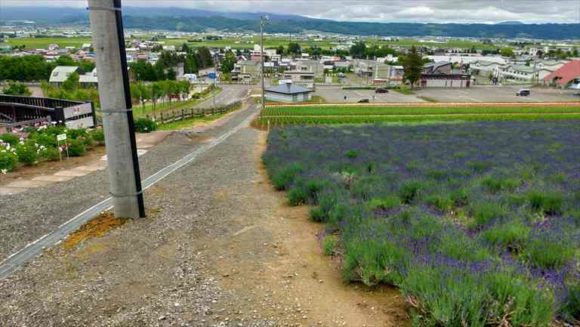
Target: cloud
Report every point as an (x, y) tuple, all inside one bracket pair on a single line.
[(416, 12), (465, 11)]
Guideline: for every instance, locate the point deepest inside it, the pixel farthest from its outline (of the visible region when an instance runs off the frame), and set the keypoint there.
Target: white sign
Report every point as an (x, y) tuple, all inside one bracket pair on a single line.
[(79, 109), (61, 137)]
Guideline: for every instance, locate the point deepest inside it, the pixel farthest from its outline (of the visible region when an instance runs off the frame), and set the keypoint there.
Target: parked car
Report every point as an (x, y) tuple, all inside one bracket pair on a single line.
[(523, 92), (381, 90), (364, 101)]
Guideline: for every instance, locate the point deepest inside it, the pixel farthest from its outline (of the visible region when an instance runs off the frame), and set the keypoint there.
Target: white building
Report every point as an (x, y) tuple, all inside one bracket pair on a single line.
[(289, 93), (60, 74)]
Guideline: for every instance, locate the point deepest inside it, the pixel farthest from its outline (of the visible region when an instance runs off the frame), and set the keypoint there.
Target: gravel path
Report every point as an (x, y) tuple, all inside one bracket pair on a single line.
[(219, 248), (28, 216)]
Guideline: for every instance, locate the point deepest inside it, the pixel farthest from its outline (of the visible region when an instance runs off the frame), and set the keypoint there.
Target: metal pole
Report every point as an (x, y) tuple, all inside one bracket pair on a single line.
[(109, 44), (262, 21), (215, 63)]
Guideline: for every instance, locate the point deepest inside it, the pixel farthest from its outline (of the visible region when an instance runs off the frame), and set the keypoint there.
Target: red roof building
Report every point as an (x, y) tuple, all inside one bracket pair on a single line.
[(565, 74)]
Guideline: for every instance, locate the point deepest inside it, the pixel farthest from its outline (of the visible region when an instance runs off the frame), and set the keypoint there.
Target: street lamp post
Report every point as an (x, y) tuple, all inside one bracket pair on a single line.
[(263, 22)]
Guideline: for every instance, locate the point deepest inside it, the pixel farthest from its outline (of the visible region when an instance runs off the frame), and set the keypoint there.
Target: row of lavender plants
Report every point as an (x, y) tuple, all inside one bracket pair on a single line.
[(31, 145), (477, 223)]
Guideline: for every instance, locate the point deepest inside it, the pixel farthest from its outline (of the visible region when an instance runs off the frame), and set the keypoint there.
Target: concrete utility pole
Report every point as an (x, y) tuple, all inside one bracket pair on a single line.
[(109, 44), (263, 21)]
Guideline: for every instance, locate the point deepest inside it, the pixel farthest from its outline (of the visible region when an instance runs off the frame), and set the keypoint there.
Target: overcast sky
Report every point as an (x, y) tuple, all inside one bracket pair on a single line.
[(438, 11)]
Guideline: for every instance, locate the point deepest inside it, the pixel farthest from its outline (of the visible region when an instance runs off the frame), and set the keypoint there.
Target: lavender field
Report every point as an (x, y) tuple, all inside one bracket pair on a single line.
[(477, 223)]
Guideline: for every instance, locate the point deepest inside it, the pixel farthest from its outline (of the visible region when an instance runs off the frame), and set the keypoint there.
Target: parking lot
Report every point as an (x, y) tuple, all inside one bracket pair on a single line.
[(477, 94), (495, 94), (335, 94)]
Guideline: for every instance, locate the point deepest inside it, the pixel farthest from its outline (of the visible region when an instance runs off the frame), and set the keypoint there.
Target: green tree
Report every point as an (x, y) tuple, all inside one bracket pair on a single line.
[(204, 57), (184, 88), (280, 50), (156, 93), (507, 52), (145, 93), (65, 61), (15, 88), (412, 66), (314, 51), (26, 68), (72, 83), (144, 71), (227, 65), (294, 48), (191, 65), (358, 50), (135, 92), (86, 65)]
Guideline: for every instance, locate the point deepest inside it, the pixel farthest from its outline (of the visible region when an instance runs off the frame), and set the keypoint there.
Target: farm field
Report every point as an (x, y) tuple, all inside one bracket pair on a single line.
[(338, 114), (477, 223), (43, 43), (248, 43)]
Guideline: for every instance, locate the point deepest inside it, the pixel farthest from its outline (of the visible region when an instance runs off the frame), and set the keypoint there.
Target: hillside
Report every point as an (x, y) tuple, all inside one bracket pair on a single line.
[(194, 20)]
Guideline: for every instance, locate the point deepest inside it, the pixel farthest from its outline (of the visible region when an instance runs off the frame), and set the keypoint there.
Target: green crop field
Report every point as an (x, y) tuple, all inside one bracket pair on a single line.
[(43, 43), (247, 42), (463, 44), (371, 114)]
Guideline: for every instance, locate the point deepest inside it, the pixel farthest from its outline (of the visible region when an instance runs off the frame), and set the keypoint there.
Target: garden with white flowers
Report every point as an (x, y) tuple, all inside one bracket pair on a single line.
[(32, 145)]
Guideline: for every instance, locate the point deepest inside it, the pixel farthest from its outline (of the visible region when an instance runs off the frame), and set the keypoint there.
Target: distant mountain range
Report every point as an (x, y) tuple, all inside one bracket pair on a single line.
[(196, 20)]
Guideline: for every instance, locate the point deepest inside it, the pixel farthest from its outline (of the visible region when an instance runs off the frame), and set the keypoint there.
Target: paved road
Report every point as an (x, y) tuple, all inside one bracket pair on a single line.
[(229, 94)]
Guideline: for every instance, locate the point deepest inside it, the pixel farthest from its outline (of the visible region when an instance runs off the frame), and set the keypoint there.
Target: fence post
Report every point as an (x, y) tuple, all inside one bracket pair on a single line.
[(162, 122), (182, 114)]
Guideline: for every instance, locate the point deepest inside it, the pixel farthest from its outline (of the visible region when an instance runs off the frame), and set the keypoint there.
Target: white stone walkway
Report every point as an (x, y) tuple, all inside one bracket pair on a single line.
[(144, 142)]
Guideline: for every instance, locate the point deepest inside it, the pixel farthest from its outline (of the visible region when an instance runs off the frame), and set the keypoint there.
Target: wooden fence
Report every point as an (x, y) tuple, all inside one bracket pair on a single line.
[(181, 114)]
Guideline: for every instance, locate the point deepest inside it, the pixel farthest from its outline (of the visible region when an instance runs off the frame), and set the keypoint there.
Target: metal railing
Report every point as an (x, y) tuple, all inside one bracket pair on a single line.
[(39, 102)]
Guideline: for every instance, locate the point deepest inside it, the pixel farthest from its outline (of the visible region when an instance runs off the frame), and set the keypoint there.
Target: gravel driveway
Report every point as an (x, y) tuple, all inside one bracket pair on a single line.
[(219, 248), (27, 216)]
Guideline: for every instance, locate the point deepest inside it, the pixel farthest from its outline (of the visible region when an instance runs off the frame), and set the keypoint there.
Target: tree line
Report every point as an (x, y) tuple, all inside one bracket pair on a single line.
[(36, 68), (164, 68), (358, 50), (159, 90)]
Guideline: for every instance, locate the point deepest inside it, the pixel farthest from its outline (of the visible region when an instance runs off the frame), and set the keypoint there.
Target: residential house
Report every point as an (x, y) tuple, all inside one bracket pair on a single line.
[(300, 78), (396, 73), (378, 71), (305, 73), (256, 54), (310, 66), (246, 71)]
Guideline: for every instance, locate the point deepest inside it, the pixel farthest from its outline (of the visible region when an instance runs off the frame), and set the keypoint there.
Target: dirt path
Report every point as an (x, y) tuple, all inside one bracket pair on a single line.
[(298, 277), (219, 248)]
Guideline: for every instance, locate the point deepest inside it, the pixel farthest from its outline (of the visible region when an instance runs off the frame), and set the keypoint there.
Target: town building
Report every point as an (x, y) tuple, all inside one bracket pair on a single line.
[(61, 73), (246, 71), (376, 71), (566, 76), (288, 93)]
